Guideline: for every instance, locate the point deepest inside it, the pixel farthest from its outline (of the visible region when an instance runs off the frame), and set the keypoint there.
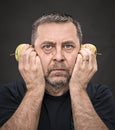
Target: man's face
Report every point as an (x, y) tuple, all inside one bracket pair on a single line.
[(57, 45)]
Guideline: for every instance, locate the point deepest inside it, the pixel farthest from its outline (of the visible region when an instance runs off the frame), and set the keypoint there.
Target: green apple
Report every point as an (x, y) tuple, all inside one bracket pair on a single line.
[(92, 47), (18, 50)]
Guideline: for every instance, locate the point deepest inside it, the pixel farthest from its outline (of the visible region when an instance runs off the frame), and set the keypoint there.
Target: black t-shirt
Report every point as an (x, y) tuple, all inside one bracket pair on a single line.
[(56, 113)]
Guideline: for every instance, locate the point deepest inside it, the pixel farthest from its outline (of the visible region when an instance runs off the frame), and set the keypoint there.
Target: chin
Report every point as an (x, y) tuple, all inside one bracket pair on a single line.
[(57, 82)]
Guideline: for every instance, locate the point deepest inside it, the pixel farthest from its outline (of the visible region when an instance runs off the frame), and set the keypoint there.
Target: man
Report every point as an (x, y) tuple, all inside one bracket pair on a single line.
[(56, 93)]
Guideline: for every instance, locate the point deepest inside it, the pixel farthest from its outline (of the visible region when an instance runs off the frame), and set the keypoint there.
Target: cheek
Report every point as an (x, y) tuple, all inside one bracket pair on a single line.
[(71, 61), (45, 60)]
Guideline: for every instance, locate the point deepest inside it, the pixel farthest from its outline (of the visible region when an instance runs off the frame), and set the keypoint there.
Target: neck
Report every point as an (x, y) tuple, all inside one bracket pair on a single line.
[(56, 91)]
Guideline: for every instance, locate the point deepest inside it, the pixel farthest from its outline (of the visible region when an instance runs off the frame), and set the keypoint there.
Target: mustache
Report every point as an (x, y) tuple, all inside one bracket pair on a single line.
[(57, 66)]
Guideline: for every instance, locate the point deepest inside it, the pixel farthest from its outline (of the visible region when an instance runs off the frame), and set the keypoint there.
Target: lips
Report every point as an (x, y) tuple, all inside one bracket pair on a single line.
[(58, 70)]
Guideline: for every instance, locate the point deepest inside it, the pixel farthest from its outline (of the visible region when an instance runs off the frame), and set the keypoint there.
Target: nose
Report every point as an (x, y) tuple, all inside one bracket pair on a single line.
[(59, 55)]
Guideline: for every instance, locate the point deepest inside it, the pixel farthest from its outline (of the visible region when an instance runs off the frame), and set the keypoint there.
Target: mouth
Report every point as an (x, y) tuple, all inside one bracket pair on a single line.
[(58, 72)]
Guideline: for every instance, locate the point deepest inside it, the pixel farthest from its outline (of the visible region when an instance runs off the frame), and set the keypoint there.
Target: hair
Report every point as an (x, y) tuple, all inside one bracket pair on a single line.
[(55, 18)]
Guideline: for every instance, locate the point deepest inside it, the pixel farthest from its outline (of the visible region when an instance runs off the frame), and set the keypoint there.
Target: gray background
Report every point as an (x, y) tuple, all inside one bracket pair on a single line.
[(97, 18)]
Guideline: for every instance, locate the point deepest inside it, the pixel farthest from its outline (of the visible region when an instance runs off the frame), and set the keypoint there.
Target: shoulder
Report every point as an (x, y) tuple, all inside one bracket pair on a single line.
[(14, 89), (11, 95), (100, 95), (98, 91), (103, 102)]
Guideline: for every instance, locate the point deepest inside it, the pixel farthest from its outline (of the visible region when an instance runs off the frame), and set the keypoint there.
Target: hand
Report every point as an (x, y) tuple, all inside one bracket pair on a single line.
[(31, 69), (84, 69)]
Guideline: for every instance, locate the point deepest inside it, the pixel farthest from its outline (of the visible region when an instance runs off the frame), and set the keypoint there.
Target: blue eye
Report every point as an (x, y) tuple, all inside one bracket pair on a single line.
[(47, 47), (68, 46)]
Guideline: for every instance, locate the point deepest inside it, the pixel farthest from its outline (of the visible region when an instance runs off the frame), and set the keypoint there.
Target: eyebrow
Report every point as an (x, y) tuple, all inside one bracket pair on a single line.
[(48, 42), (68, 42), (65, 42)]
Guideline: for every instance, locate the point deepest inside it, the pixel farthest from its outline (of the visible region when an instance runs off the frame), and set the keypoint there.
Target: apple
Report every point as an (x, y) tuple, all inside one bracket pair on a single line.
[(18, 50), (92, 47)]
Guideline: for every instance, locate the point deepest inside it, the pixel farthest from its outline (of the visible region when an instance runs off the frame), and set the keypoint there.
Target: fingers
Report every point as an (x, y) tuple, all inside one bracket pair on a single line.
[(30, 69), (27, 54), (86, 60), (27, 58), (85, 67), (87, 56)]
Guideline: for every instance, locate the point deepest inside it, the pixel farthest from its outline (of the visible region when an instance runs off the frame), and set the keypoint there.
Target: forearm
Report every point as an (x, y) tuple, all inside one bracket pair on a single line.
[(84, 115), (27, 115)]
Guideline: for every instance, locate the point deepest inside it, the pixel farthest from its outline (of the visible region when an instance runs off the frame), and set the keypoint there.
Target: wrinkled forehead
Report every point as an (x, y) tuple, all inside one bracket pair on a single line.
[(53, 29), (56, 33)]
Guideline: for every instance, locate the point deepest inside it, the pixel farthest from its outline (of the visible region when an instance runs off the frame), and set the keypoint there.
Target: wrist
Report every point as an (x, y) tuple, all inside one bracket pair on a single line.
[(39, 89), (78, 86), (77, 90)]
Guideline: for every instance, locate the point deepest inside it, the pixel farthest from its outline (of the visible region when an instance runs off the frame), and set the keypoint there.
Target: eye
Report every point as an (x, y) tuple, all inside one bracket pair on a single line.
[(47, 47), (68, 46)]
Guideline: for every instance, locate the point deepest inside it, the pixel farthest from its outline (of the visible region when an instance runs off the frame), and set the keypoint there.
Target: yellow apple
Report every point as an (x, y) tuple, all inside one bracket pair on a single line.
[(93, 47), (18, 50)]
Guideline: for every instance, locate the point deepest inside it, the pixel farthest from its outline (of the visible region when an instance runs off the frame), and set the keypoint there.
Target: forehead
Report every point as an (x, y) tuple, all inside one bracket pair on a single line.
[(57, 30)]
